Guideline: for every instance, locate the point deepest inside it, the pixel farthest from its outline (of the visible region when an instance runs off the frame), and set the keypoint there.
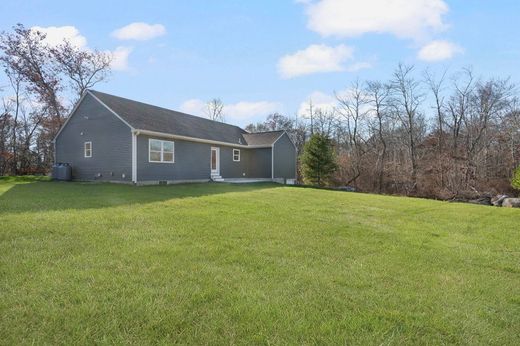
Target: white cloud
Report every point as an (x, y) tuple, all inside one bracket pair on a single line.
[(320, 100), (139, 31), (120, 58), (402, 18), (194, 106), (55, 35), (438, 50), (250, 110), (359, 66), (328, 103), (313, 59), (241, 113)]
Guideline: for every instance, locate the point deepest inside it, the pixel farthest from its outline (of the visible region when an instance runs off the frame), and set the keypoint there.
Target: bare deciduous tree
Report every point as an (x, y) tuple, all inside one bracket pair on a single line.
[(215, 109), (25, 52), (353, 107), (407, 96), (83, 68), (436, 87), (378, 94)]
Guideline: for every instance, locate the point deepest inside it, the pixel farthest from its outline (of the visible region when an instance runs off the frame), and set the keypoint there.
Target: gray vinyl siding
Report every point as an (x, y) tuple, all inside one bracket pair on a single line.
[(260, 163), (254, 163), (284, 158), (111, 144), (192, 162), (233, 169)]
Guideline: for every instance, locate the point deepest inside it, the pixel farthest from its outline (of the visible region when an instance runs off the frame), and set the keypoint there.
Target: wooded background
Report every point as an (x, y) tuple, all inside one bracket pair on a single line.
[(447, 136), (441, 136)]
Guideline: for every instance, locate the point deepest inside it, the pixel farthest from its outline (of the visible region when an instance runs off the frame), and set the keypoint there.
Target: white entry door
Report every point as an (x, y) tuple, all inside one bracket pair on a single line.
[(215, 161)]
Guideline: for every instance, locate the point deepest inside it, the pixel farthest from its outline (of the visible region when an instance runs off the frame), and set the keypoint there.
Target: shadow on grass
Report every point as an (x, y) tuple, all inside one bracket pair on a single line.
[(23, 178), (34, 196)]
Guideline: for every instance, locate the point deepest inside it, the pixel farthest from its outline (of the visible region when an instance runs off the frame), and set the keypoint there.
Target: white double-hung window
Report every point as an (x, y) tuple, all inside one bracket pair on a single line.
[(161, 151), (236, 155), (87, 149)]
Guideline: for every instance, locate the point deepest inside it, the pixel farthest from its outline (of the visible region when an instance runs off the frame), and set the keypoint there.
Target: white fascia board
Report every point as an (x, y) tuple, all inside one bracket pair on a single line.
[(76, 107), (199, 140), (290, 140), (110, 109), (70, 116)]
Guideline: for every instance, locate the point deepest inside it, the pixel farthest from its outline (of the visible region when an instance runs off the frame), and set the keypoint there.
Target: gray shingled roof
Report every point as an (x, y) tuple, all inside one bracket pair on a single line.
[(143, 116), (262, 138)]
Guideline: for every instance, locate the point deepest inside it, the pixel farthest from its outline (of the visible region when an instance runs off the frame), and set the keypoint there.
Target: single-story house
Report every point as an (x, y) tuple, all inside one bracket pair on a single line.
[(110, 138)]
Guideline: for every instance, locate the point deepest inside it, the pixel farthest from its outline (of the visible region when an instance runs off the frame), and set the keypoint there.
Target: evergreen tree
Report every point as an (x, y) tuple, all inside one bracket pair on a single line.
[(318, 160), (515, 182)]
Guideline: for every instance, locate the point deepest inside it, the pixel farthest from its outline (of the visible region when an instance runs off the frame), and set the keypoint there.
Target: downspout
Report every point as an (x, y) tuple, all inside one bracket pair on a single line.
[(134, 156), (272, 162), (54, 149)]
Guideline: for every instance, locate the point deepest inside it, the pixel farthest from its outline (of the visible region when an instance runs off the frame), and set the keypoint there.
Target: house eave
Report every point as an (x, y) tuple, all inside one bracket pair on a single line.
[(198, 140)]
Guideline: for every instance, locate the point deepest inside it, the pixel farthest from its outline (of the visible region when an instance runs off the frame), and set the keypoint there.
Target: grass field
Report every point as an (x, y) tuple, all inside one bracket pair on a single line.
[(252, 264)]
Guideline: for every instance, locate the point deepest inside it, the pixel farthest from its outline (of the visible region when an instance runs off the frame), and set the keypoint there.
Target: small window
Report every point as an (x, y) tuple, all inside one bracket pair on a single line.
[(88, 149), (160, 151), (236, 155)]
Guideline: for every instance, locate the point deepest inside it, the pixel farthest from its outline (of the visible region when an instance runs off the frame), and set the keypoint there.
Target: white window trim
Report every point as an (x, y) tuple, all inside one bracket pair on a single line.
[(238, 155), (85, 150), (161, 152)]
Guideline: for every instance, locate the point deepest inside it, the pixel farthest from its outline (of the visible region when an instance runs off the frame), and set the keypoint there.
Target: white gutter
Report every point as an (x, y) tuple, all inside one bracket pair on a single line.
[(199, 140)]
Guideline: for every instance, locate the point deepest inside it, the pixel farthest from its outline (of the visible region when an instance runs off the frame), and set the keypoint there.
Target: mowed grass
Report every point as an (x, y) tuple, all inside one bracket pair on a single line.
[(252, 264)]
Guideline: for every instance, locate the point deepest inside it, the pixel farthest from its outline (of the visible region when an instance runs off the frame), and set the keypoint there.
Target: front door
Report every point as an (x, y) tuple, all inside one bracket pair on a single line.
[(215, 161)]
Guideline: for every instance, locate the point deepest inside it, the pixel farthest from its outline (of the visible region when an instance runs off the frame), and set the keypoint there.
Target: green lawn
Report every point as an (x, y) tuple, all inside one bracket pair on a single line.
[(252, 264)]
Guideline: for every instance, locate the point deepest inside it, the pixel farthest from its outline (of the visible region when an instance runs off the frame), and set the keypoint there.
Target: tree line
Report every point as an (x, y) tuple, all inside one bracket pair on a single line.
[(43, 82), (417, 133), (445, 136)]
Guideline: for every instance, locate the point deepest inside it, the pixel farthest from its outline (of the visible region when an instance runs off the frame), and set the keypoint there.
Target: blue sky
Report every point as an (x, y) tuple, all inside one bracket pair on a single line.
[(266, 56)]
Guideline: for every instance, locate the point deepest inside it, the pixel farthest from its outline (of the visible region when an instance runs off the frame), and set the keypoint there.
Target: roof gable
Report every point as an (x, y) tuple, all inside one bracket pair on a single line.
[(84, 96)]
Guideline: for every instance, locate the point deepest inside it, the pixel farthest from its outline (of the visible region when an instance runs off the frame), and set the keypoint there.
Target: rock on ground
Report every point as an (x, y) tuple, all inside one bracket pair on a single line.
[(511, 203), (498, 200), (481, 200)]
